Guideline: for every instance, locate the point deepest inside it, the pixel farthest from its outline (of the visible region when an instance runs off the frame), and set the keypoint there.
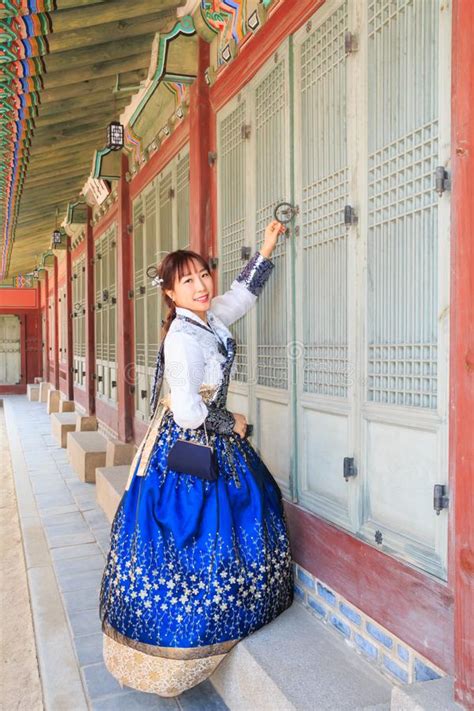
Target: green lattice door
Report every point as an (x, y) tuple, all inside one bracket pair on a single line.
[(343, 365)]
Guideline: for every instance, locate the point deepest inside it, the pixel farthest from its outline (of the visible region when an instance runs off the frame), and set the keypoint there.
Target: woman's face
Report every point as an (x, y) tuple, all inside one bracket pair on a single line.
[(194, 290)]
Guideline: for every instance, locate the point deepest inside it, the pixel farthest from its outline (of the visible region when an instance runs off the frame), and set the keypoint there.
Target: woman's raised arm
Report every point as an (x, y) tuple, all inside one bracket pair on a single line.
[(244, 290)]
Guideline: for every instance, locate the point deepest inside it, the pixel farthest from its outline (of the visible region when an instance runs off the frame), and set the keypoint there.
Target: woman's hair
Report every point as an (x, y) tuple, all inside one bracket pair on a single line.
[(172, 266)]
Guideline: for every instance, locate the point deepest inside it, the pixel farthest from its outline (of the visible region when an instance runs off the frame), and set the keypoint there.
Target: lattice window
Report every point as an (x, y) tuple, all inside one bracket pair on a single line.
[(271, 141), (79, 319), (165, 220), (232, 218), (105, 280), (153, 293), (402, 219), (160, 225), (324, 194), (182, 198), (51, 330), (63, 326)]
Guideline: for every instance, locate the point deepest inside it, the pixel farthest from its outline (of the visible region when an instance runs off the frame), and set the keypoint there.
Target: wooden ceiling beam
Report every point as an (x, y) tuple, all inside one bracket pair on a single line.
[(44, 221), (96, 70), (60, 199), (74, 129), (55, 162), (111, 31), (83, 122), (36, 194), (52, 143), (24, 8), (66, 171), (68, 4), (75, 170), (63, 111), (103, 52), (78, 177), (74, 152), (103, 13), (103, 86)]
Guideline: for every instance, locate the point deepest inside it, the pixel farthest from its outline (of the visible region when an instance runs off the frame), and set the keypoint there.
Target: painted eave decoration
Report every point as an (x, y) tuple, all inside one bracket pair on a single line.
[(70, 67), (162, 103), (67, 68)]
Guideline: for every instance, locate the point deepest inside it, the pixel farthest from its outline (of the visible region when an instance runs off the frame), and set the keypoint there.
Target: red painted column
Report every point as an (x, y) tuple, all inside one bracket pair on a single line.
[(23, 349), (69, 310), (199, 170), (125, 376), (40, 332), (461, 444), (55, 316), (47, 316), (90, 319)]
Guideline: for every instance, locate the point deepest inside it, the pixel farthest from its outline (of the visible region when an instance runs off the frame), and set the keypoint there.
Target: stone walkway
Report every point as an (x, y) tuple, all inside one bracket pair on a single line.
[(65, 540)]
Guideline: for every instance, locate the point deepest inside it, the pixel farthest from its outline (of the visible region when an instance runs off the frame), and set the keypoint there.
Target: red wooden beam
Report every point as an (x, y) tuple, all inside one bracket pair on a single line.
[(461, 444), (284, 21), (409, 603), (15, 298), (105, 221), (161, 158)]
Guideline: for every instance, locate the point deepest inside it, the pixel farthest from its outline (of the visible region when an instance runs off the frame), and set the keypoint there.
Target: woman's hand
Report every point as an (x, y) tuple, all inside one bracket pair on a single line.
[(240, 425), (272, 232)]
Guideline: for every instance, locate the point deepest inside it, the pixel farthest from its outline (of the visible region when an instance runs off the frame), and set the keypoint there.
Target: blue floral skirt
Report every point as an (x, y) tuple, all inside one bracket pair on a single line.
[(194, 566)]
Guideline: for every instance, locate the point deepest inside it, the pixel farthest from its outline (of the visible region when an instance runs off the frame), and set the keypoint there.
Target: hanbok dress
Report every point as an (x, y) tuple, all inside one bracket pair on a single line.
[(194, 566)]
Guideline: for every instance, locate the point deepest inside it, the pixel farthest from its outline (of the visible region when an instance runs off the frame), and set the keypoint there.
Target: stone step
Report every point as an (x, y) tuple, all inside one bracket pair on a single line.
[(43, 391), (86, 451), (433, 695), (53, 398), (33, 392), (61, 424), (110, 486), (86, 423), (67, 406), (296, 663), (119, 453)]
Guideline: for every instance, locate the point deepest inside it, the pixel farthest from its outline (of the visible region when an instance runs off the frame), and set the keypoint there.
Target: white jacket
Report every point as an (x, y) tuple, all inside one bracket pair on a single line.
[(192, 355)]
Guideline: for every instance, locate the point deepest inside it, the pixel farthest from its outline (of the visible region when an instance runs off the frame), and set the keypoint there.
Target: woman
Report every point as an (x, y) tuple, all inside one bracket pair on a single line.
[(195, 566)]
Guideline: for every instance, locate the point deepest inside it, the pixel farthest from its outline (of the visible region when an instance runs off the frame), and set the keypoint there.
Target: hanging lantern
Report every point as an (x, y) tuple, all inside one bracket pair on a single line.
[(115, 136), (57, 237)]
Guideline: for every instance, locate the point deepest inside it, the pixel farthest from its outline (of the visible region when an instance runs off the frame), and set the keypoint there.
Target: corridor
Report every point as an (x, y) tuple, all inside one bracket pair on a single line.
[(65, 541)]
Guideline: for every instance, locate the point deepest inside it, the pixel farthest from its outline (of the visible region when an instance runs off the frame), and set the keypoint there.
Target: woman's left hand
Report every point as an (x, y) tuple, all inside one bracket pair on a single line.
[(272, 232)]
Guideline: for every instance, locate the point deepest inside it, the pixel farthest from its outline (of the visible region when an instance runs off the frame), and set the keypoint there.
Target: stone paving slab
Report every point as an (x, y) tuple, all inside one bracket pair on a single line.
[(66, 537), (83, 599), (87, 549)]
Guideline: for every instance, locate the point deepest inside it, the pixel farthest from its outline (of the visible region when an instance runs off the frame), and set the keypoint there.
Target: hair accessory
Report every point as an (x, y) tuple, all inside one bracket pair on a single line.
[(157, 281)]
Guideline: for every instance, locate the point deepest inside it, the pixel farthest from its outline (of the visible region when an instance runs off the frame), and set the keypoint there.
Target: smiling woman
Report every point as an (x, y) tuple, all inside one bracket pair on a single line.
[(195, 565)]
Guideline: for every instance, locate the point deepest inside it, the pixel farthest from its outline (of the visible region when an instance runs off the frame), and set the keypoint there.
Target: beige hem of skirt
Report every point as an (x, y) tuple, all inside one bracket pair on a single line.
[(167, 675)]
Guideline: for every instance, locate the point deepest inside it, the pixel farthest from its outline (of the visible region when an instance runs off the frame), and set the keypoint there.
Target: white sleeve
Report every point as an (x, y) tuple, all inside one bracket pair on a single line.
[(184, 372), (244, 290)]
